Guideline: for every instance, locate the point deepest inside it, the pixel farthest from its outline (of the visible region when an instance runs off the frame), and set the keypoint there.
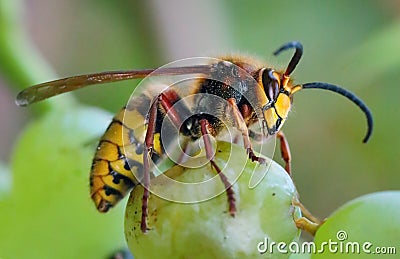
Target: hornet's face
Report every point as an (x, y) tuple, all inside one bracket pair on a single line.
[(279, 94)]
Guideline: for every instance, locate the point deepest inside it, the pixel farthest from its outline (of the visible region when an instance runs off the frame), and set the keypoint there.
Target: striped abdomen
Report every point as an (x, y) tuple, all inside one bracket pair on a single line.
[(118, 162)]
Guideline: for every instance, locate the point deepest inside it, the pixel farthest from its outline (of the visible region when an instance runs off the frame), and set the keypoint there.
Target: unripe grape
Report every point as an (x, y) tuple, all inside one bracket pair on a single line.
[(205, 229), (361, 226)]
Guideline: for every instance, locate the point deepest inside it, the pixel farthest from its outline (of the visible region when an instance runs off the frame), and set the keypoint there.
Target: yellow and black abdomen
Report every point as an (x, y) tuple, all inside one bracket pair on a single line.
[(118, 162)]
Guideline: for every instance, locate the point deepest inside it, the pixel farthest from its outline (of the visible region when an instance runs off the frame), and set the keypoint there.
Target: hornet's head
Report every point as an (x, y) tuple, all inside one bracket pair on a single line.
[(279, 90)]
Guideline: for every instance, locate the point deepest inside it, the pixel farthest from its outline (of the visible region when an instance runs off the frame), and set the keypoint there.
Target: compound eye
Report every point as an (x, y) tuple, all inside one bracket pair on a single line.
[(271, 84)]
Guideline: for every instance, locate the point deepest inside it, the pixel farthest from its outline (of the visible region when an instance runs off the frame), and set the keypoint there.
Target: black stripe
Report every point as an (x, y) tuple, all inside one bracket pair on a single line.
[(117, 177), (111, 191), (139, 148), (117, 121), (130, 163), (131, 135)]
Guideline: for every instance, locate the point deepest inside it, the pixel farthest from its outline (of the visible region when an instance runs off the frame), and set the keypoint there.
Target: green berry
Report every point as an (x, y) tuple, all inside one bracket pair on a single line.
[(361, 227), (206, 229)]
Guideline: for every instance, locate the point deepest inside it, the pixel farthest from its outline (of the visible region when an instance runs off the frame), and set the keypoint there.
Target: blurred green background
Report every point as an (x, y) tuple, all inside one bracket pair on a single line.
[(354, 44)]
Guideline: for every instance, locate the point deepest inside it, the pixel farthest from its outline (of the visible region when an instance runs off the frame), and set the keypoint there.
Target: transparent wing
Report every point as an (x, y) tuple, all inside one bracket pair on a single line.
[(46, 90)]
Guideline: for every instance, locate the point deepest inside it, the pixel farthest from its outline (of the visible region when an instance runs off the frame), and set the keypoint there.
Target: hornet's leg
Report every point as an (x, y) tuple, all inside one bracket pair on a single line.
[(209, 153), (245, 132), (166, 99), (285, 151), (149, 142)]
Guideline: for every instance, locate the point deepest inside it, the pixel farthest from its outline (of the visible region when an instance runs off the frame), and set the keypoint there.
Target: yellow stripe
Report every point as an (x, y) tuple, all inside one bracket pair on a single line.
[(107, 151), (157, 144)]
